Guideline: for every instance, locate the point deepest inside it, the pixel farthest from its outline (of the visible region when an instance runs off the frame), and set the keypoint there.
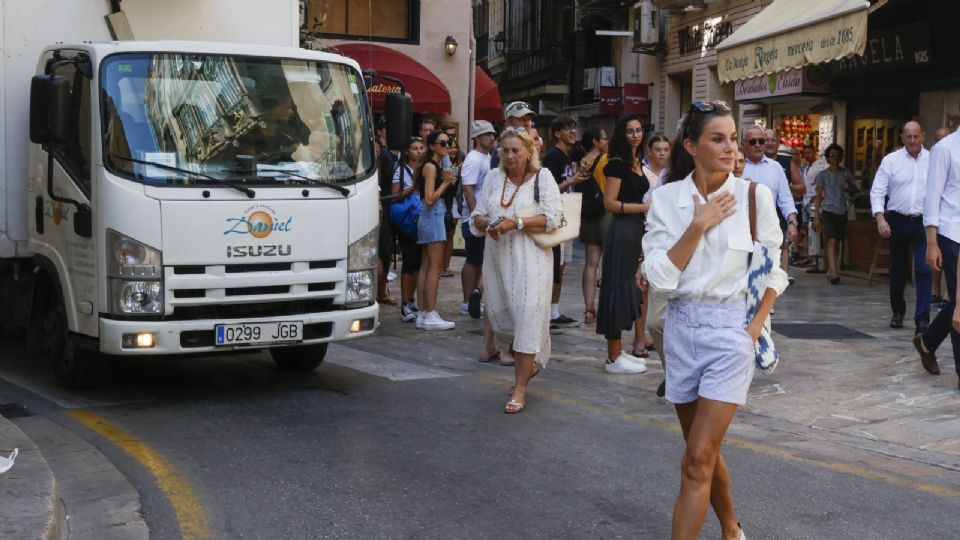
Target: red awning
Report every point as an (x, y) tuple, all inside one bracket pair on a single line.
[(429, 95), (486, 100)]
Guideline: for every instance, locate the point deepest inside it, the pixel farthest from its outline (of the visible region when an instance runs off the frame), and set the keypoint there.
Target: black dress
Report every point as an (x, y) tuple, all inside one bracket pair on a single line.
[(620, 301)]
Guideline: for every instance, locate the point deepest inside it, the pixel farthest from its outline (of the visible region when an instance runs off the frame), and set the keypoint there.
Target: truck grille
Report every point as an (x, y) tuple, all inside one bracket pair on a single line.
[(248, 291)]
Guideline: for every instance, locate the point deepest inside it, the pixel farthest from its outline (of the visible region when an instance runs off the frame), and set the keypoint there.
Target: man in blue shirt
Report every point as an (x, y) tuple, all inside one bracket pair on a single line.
[(767, 172)]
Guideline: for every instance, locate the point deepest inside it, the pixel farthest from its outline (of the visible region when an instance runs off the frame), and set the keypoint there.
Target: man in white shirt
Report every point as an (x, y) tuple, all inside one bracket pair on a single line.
[(810, 167), (763, 170), (475, 168), (941, 216), (902, 177)]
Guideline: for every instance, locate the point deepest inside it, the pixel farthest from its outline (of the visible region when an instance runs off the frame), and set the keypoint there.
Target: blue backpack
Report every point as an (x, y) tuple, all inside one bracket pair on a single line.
[(405, 213)]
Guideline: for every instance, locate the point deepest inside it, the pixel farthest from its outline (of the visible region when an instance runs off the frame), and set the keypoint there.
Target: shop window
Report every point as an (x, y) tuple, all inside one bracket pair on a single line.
[(379, 20)]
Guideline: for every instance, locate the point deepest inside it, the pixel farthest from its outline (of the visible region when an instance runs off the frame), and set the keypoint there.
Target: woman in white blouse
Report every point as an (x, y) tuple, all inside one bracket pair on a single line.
[(697, 251), (517, 273)]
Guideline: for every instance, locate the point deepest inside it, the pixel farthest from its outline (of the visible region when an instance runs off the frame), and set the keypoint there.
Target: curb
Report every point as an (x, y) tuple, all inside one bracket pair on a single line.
[(29, 496)]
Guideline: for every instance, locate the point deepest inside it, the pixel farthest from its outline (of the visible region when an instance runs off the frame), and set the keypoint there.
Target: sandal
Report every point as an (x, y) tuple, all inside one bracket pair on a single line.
[(513, 407), (492, 358), (640, 353), (446, 273), (387, 300), (590, 316)]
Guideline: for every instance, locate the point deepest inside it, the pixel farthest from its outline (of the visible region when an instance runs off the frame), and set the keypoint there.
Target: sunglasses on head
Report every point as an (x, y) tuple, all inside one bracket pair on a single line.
[(710, 106)]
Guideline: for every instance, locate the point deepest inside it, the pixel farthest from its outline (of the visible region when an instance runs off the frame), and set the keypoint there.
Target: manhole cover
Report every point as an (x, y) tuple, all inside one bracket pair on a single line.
[(818, 331), (12, 410)]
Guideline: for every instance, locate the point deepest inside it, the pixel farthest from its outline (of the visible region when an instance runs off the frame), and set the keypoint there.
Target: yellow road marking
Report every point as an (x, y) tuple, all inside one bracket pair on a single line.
[(186, 504), (773, 451)]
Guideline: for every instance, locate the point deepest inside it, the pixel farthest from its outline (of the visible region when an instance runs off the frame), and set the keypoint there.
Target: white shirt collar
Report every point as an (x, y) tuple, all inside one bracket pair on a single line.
[(688, 189), (923, 152)]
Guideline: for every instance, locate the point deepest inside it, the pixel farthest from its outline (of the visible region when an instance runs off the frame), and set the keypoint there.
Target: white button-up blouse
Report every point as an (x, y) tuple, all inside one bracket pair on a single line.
[(717, 271)]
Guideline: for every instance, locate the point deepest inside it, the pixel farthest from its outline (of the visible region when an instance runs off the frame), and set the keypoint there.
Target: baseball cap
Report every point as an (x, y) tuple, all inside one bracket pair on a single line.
[(785, 150), (517, 109), (481, 127)]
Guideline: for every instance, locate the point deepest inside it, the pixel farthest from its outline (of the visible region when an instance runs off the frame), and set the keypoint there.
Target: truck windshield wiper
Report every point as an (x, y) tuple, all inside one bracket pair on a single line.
[(243, 189), (342, 190)]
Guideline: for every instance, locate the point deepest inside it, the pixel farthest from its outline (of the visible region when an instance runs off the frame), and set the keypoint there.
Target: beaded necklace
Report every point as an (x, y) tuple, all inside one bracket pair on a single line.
[(503, 193)]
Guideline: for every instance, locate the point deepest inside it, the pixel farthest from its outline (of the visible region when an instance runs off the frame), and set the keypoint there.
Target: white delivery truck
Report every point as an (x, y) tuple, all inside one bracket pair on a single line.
[(181, 197)]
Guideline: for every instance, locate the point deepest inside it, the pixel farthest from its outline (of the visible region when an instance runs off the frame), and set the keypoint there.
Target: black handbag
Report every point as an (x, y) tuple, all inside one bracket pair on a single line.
[(592, 196)]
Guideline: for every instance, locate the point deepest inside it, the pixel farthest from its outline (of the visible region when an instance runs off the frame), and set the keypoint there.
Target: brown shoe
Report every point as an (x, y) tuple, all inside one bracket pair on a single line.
[(927, 358)]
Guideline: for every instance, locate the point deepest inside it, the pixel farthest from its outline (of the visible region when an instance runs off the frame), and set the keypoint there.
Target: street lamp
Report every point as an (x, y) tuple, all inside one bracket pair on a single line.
[(450, 45), (499, 43)]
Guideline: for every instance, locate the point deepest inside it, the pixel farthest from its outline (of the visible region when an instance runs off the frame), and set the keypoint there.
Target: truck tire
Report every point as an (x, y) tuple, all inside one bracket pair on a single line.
[(299, 359), (75, 368)]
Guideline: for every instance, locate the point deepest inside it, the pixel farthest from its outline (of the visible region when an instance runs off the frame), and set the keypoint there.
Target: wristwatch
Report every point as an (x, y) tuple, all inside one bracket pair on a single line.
[(519, 224)]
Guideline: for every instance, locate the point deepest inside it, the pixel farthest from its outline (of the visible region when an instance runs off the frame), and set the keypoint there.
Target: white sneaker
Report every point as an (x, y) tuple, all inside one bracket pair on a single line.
[(407, 313), (631, 359), (464, 309), (420, 317), (623, 366), (433, 321), (391, 275)]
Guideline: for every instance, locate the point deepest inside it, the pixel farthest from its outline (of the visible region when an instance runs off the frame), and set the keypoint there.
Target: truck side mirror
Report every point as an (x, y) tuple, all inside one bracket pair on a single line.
[(399, 112), (49, 104)]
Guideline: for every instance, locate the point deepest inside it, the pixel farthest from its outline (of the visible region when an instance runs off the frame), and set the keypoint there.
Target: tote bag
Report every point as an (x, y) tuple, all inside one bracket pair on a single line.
[(761, 264), (569, 218)]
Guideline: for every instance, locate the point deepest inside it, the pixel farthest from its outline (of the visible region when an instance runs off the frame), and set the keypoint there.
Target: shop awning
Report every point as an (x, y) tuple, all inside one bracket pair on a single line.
[(789, 34), (486, 99), (430, 96)]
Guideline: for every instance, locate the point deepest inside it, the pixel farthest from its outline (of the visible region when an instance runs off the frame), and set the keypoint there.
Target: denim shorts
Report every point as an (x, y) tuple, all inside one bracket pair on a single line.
[(431, 227), (708, 351)]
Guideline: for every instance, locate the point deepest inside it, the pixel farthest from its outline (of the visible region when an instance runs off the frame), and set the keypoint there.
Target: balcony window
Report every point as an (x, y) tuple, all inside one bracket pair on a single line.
[(380, 20)]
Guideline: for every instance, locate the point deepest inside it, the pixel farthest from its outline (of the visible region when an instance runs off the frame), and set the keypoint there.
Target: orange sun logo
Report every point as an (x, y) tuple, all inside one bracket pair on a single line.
[(260, 223)]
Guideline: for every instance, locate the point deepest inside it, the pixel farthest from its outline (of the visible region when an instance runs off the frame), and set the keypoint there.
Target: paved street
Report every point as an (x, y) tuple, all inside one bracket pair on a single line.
[(402, 436)]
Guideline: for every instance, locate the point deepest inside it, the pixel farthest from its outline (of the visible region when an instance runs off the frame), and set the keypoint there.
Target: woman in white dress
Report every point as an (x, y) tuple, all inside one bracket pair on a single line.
[(517, 273)]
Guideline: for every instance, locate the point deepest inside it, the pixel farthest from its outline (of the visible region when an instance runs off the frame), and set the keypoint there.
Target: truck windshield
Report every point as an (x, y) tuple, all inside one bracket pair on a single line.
[(246, 119)]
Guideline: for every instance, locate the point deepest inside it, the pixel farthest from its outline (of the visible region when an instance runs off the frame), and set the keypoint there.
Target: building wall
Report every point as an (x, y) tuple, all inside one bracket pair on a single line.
[(456, 72), (694, 74)]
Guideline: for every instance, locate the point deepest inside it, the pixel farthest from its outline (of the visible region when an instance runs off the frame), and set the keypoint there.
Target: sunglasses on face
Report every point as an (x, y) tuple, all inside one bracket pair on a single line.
[(442, 143), (755, 142)]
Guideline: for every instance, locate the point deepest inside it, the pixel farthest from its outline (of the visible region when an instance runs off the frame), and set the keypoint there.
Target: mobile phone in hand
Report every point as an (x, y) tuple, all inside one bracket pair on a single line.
[(495, 223)]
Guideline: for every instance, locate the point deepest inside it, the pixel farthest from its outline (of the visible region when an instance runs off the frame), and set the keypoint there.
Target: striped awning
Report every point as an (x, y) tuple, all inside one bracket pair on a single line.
[(789, 34)]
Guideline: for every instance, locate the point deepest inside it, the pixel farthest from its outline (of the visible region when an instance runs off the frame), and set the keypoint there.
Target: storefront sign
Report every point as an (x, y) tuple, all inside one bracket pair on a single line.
[(893, 48), (381, 88), (784, 83), (821, 42), (636, 99), (610, 101), (704, 36)]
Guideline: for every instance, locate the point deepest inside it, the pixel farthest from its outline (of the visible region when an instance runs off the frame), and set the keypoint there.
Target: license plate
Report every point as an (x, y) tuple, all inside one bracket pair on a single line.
[(259, 333)]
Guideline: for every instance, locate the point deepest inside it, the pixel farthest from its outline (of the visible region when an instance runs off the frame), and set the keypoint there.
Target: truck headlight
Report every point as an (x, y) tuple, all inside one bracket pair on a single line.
[(363, 253), (135, 271), (361, 268)]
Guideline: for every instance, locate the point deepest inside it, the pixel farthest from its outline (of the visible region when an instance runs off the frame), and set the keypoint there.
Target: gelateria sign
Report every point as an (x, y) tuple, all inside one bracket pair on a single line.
[(789, 34), (785, 83)]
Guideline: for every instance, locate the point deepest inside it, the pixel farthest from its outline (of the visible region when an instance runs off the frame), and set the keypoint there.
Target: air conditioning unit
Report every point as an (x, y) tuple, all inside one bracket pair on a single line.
[(646, 30), (590, 79), (607, 76)]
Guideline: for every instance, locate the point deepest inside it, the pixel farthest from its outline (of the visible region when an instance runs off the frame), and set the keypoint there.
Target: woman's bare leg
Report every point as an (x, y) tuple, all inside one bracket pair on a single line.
[(433, 260), (589, 281), (523, 369), (704, 477)]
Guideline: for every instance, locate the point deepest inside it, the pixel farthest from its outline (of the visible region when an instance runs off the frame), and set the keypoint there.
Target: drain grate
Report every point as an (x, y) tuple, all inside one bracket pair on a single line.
[(12, 410), (818, 331)]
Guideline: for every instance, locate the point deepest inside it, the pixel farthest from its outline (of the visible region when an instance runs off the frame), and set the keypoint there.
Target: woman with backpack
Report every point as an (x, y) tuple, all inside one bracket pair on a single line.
[(594, 143), (405, 187)]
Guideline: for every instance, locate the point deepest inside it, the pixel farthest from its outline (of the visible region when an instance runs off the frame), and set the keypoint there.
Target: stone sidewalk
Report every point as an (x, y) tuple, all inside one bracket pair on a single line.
[(864, 397)]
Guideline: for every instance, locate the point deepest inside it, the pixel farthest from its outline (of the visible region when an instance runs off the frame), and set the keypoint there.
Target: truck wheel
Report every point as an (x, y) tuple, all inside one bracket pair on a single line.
[(76, 368), (299, 359)]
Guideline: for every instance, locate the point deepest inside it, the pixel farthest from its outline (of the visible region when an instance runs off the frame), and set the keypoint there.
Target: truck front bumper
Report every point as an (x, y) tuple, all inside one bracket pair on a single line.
[(191, 337)]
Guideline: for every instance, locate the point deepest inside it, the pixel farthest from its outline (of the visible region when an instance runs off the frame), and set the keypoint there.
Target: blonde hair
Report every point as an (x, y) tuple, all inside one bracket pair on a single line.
[(533, 165)]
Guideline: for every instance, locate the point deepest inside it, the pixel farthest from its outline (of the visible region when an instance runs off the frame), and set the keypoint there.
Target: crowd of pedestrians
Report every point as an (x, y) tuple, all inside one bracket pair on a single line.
[(668, 230)]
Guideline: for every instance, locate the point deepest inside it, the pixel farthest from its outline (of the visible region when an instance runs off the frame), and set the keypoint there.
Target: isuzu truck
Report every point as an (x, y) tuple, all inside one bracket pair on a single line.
[(181, 197)]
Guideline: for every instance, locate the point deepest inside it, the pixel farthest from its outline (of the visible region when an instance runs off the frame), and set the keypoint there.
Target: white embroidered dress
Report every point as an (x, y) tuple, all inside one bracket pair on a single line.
[(517, 273)]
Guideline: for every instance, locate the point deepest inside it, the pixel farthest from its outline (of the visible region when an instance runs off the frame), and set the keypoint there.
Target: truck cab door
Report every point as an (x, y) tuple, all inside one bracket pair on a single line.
[(56, 236)]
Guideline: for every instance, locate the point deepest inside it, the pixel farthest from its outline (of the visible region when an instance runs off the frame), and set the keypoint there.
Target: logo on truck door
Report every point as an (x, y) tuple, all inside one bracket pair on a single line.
[(259, 221)]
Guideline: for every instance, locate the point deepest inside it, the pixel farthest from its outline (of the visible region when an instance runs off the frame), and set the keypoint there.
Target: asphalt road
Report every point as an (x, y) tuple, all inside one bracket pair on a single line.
[(402, 436)]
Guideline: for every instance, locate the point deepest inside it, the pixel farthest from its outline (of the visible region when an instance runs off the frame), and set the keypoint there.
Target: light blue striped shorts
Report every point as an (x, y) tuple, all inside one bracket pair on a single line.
[(708, 352)]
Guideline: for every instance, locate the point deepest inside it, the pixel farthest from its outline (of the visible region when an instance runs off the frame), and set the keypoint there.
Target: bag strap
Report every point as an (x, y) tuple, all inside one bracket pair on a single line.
[(753, 211), (595, 161), (536, 187)]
